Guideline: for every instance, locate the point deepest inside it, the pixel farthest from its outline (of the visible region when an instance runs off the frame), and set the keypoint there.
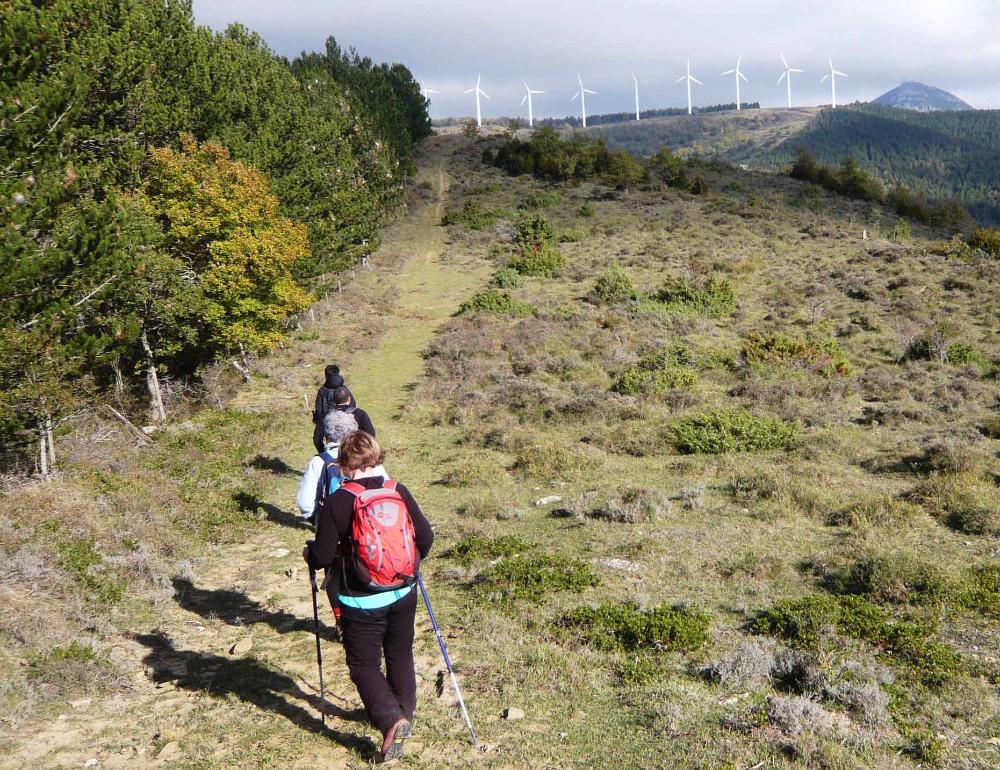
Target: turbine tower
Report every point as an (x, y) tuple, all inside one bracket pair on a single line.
[(636, 81), (690, 79), (833, 75), (739, 76), (582, 93), (479, 92), (787, 77)]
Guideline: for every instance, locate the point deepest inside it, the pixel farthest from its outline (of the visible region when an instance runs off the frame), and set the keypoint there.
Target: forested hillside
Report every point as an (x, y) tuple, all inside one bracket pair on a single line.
[(939, 154), (170, 195)]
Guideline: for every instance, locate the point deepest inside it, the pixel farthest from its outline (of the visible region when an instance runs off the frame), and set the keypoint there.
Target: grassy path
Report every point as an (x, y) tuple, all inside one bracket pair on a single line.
[(197, 704)]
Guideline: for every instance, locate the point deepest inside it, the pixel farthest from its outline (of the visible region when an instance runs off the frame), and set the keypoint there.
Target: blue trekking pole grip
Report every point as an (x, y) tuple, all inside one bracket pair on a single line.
[(447, 660)]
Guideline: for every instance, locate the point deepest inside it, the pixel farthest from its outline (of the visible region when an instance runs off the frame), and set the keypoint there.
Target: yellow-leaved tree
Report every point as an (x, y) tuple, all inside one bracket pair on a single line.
[(221, 219)]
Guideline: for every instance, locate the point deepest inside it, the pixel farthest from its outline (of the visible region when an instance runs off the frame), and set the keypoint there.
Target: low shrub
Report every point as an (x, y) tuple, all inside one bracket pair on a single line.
[(758, 486), (991, 427), (986, 239), (825, 357), (876, 512), (624, 627), (538, 199), (750, 564), (497, 302), (506, 278), (632, 506), (805, 622), (543, 260), (713, 297), (636, 381), (586, 210), (82, 560), (478, 548), (657, 373), (472, 216), (546, 460), (982, 589), (715, 431), (70, 669), (898, 578), (966, 502), (532, 576), (614, 286)]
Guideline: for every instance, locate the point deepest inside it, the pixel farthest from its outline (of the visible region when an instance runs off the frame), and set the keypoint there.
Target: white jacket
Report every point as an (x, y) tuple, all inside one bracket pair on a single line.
[(306, 497)]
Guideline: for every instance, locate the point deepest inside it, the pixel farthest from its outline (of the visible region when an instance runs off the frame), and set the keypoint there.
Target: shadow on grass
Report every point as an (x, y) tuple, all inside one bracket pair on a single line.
[(235, 608), (275, 465), (250, 503), (252, 681)]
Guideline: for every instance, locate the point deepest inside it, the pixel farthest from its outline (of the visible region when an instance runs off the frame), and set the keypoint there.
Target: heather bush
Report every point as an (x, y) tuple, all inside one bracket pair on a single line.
[(497, 302), (713, 297), (966, 502), (506, 278), (532, 576), (625, 627), (826, 357), (614, 286), (715, 431)]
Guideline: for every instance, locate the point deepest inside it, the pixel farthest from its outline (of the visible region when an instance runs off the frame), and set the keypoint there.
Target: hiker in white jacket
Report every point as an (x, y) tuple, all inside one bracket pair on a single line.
[(336, 427)]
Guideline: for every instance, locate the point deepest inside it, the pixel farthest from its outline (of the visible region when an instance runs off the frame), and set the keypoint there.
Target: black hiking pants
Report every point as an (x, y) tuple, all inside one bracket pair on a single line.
[(318, 438), (367, 635)]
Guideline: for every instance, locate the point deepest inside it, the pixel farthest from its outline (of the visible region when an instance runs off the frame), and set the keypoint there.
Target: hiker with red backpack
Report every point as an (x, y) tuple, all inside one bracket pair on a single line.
[(381, 535)]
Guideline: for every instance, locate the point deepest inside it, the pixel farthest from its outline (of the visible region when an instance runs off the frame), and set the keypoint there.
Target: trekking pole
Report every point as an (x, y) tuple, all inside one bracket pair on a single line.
[(319, 651), (447, 660)]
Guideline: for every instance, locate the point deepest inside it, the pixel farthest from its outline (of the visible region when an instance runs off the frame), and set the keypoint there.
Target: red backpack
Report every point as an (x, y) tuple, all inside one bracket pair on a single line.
[(385, 554)]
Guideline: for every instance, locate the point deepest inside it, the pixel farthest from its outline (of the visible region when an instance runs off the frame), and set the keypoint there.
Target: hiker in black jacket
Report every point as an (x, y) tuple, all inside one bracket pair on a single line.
[(326, 402), (345, 403), (375, 623)]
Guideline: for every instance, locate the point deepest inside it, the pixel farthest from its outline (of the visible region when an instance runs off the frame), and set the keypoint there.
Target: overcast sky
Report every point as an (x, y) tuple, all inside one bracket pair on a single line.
[(952, 44)]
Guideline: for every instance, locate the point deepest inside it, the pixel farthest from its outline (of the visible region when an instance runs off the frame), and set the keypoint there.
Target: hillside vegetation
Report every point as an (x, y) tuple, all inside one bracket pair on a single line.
[(169, 197), (772, 450)]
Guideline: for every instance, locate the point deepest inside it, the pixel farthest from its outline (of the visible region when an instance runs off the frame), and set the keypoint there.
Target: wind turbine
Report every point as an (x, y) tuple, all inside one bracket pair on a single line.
[(689, 78), (787, 77), (833, 75), (426, 92), (739, 76), (527, 98), (636, 81), (479, 92), (582, 93)]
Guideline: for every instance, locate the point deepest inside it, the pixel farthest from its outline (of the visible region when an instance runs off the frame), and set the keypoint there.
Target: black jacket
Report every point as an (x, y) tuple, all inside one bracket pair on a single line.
[(325, 402), (333, 527), (361, 416)]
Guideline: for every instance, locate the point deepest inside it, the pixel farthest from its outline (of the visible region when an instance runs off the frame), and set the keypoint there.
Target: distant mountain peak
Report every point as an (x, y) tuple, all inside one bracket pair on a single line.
[(922, 98)]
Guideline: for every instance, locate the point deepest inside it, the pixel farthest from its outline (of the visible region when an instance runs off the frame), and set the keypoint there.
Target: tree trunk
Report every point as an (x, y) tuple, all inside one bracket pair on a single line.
[(119, 382), (52, 444), (43, 458), (153, 381)]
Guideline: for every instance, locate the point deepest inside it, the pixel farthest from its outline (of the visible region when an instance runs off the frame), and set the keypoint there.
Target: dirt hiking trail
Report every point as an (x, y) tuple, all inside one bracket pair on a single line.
[(228, 678)]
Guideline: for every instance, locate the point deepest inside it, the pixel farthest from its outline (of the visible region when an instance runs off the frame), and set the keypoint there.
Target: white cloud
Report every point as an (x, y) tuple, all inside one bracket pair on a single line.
[(952, 44)]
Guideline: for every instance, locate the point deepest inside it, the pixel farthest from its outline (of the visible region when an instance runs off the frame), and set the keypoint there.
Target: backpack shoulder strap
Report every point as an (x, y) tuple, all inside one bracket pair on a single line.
[(390, 484), (349, 409), (353, 487), (328, 459)]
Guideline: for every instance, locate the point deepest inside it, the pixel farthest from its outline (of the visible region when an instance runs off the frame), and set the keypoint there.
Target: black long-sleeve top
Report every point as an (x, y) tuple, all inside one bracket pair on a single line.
[(325, 402), (362, 418), (333, 527)]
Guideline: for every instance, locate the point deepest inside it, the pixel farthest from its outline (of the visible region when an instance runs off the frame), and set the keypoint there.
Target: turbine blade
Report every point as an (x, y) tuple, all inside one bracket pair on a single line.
[(526, 88), (783, 74), (524, 99), (728, 72), (744, 77), (469, 91), (696, 80), (841, 74), (483, 93), (825, 78), (784, 61), (795, 70), (574, 96), (680, 78), (538, 92), (739, 61), (588, 91)]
